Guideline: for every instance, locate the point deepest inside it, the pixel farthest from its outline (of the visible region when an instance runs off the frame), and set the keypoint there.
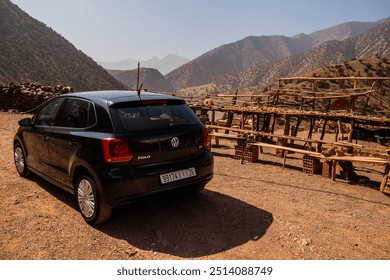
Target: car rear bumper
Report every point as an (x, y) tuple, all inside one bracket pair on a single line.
[(125, 184)]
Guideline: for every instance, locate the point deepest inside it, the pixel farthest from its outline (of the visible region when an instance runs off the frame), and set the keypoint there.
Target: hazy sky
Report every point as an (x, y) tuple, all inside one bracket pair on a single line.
[(112, 30)]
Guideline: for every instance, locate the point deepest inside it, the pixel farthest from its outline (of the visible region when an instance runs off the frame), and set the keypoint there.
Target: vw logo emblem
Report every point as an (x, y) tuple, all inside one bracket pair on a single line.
[(175, 142)]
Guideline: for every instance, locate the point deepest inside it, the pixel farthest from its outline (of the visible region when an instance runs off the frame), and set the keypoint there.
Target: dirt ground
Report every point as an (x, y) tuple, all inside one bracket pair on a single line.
[(248, 211)]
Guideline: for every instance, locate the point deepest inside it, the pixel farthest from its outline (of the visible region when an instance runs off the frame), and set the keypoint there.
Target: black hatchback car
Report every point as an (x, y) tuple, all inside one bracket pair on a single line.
[(112, 147)]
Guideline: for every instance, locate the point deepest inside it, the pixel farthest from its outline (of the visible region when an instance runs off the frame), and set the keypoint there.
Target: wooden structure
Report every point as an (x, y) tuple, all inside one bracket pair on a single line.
[(287, 108)]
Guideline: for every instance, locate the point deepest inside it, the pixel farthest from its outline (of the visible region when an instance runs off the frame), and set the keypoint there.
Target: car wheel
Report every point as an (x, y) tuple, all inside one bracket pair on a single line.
[(92, 208), (20, 161)]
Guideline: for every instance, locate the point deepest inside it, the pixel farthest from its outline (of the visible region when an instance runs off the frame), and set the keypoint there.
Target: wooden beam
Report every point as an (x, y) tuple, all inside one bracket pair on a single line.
[(336, 78)]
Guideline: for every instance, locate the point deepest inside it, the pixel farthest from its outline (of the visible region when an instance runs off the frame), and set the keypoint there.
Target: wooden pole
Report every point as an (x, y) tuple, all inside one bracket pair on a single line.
[(329, 103), (229, 121), (319, 145), (243, 118), (212, 117), (266, 122), (273, 123), (385, 178), (323, 129), (368, 98), (299, 121), (334, 163), (312, 121), (352, 130), (340, 130)]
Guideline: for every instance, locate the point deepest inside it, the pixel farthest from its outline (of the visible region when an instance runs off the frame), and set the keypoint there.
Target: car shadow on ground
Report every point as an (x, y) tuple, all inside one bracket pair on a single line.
[(188, 226), (182, 224)]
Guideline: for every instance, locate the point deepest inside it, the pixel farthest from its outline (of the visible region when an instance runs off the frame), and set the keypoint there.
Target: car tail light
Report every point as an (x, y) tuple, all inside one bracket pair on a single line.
[(205, 138), (116, 150)]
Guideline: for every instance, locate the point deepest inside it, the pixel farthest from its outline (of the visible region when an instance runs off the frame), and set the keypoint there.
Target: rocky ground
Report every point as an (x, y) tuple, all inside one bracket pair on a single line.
[(248, 211)]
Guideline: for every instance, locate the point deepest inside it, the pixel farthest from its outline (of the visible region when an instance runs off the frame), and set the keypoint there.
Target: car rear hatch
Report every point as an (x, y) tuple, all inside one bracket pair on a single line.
[(159, 131)]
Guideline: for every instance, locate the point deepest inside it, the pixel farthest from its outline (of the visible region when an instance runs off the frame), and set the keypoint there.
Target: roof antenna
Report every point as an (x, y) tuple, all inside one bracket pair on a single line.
[(139, 87), (138, 79), (139, 90)]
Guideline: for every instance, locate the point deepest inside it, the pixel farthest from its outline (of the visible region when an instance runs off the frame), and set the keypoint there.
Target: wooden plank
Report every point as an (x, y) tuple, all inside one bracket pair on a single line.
[(223, 135), (299, 151), (334, 78), (360, 159), (240, 95), (337, 96)]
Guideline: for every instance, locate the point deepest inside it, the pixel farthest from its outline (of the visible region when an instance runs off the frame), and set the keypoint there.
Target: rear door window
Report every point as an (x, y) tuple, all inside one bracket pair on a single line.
[(152, 117), (77, 113)]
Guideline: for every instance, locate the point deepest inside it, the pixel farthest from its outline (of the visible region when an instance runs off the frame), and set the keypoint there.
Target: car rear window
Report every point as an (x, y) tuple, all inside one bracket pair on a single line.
[(152, 117)]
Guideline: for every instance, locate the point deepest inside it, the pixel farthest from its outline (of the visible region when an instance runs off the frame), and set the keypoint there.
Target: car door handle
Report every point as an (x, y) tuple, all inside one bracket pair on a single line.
[(73, 144)]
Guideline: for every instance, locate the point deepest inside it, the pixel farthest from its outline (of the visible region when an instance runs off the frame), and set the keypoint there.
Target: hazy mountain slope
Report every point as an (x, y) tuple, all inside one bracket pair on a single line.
[(232, 58), (168, 63), (31, 51), (256, 51), (341, 32), (376, 41), (164, 65), (151, 79)]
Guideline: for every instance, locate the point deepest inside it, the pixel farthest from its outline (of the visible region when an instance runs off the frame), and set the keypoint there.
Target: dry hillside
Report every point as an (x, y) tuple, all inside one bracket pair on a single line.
[(31, 51), (259, 51)]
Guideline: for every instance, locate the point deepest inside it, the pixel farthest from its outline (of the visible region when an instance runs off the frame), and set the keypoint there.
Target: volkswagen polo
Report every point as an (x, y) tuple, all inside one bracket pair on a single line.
[(109, 148)]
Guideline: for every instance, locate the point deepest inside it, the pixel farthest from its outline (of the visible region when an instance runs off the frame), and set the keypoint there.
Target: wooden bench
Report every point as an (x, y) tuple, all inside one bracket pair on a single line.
[(375, 160), (285, 149)]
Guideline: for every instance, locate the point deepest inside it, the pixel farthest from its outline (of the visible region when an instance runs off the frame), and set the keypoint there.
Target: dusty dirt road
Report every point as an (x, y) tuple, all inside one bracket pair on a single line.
[(248, 211)]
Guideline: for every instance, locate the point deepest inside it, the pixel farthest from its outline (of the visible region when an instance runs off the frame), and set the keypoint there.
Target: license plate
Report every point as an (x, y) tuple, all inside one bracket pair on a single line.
[(177, 175)]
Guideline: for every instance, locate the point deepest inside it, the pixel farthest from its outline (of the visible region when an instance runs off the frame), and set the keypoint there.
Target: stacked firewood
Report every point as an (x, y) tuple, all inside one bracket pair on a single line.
[(27, 96)]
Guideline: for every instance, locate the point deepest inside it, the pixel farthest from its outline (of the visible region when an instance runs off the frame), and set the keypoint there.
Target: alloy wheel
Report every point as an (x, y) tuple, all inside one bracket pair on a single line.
[(86, 198)]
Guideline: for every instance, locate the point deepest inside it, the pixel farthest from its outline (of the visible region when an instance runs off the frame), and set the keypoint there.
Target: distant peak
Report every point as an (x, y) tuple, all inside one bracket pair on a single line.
[(153, 59), (175, 56)]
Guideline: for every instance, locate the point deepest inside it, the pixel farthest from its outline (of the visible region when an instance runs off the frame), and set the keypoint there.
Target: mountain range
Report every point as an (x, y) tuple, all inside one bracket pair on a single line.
[(374, 42), (31, 51), (163, 65), (258, 51)]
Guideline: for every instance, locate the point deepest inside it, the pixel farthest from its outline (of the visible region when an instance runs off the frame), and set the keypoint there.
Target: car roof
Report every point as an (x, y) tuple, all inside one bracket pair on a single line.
[(105, 97)]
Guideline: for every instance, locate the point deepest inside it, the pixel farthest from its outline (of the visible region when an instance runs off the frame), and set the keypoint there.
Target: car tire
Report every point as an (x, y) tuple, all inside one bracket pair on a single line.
[(93, 209), (20, 161)]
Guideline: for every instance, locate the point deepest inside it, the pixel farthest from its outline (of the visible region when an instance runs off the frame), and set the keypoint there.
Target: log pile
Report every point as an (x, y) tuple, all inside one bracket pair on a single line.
[(27, 96)]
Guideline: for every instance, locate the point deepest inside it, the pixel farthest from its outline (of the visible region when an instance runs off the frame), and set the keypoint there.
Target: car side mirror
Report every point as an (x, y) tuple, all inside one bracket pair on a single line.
[(25, 122)]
